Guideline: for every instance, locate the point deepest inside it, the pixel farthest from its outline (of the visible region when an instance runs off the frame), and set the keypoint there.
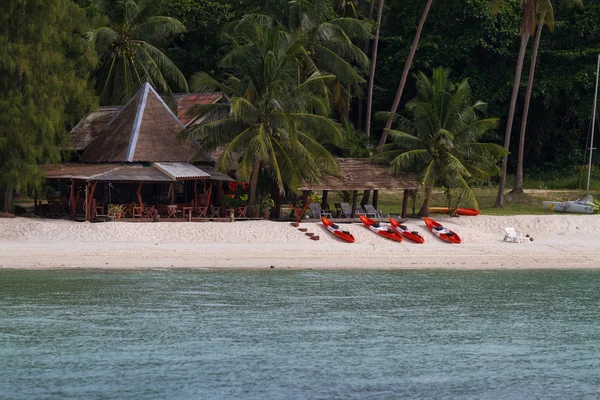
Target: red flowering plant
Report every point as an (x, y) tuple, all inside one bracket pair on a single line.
[(236, 195)]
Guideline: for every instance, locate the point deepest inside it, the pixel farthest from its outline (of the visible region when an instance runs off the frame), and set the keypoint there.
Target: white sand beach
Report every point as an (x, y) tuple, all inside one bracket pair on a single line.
[(561, 241)]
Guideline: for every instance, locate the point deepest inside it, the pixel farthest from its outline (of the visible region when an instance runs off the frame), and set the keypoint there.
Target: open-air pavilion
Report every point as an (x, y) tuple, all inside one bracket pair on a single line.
[(360, 174), (132, 156)]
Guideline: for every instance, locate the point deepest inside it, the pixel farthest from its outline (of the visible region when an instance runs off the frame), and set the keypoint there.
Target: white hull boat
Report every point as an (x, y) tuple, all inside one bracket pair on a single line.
[(582, 206), (585, 205)]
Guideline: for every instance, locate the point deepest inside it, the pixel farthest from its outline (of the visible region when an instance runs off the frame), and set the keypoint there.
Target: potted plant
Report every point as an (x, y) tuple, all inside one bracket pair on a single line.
[(116, 210), (266, 205)]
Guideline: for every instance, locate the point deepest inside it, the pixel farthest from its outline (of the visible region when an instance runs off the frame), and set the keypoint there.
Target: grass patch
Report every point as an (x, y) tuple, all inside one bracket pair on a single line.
[(527, 203)]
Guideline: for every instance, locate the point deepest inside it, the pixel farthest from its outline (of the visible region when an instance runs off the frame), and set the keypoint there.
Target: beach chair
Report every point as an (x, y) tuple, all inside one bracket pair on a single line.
[(316, 212), (370, 211), (514, 237), (346, 211)]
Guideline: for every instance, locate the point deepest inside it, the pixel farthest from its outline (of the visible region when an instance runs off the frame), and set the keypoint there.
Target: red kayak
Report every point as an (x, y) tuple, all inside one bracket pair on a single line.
[(404, 231), (443, 233), (460, 211), (337, 231), (383, 230)]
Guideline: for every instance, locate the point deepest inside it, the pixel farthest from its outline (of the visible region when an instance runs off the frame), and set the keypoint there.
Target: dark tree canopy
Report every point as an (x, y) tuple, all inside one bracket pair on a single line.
[(44, 86)]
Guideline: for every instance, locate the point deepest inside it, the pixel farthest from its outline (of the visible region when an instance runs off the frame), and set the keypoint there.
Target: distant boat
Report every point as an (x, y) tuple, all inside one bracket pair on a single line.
[(584, 205), (460, 211)]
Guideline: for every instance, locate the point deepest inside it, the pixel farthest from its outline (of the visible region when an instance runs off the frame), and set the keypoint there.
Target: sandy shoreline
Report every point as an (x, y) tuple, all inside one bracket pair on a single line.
[(561, 241)]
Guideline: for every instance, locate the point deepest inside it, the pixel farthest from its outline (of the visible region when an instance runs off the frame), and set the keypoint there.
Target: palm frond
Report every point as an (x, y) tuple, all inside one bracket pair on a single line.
[(154, 27)]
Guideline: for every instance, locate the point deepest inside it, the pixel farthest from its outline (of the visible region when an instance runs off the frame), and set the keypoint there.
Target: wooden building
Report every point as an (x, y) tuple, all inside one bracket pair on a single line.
[(133, 155)]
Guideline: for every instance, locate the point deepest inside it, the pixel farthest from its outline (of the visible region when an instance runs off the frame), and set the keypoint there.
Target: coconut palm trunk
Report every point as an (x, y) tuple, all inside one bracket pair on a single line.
[(407, 66), (511, 115), (365, 49), (424, 211), (253, 187), (373, 65), (8, 196), (519, 177)]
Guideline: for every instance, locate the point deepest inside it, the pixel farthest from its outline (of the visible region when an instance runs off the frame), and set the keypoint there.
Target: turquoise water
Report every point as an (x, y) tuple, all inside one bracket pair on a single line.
[(191, 334)]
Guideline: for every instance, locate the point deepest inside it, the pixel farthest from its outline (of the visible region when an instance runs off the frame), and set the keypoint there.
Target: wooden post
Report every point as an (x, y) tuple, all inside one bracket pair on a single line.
[(195, 193), (324, 202), (87, 210), (354, 199), (35, 201), (220, 194), (72, 200), (404, 203), (138, 193), (375, 198), (90, 202), (173, 193), (208, 197)]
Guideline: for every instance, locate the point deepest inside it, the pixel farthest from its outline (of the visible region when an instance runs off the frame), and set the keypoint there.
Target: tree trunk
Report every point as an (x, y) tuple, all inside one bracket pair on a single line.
[(536, 46), (365, 197), (253, 184), (8, 194), (404, 204), (424, 211), (407, 66), (365, 50), (373, 65), (511, 115)]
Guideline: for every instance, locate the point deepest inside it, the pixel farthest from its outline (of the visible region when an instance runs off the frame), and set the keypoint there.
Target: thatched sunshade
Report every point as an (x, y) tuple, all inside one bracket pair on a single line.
[(360, 174)]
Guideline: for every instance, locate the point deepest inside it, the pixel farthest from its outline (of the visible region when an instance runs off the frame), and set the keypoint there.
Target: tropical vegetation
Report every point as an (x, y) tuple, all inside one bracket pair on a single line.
[(127, 56), (60, 58), (276, 119), (440, 141)]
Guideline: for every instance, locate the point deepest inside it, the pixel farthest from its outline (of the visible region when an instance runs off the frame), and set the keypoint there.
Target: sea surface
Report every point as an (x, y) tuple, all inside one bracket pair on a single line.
[(277, 334)]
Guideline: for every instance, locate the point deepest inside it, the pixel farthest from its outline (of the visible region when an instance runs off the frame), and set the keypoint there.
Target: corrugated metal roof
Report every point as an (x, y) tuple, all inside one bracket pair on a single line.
[(217, 175), (181, 170), (133, 173)]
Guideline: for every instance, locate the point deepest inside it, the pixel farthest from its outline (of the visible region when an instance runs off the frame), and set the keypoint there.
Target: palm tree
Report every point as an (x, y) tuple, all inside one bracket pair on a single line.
[(440, 142), (529, 9), (546, 17), (126, 56), (373, 65), (327, 41), (277, 119), (407, 65)]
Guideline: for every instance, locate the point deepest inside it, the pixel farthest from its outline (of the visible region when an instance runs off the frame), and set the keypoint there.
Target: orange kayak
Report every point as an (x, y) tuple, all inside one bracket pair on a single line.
[(404, 231), (383, 230), (460, 211), (443, 233), (337, 231)]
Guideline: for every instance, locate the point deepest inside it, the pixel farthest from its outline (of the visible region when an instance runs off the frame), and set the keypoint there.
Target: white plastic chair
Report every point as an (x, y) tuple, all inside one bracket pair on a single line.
[(513, 236)]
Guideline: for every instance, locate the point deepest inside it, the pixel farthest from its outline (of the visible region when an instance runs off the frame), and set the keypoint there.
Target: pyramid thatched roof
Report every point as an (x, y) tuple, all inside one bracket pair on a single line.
[(145, 130), (91, 126)]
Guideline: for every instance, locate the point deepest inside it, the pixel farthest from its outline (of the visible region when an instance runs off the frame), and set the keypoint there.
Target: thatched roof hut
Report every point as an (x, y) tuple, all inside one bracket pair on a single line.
[(145, 130), (91, 126)]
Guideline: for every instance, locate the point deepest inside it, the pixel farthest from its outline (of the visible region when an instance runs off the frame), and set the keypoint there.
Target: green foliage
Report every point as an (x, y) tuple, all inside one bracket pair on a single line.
[(199, 47), (276, 120), (116, 209), (127, 57), (44, 88), (440, 142)]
